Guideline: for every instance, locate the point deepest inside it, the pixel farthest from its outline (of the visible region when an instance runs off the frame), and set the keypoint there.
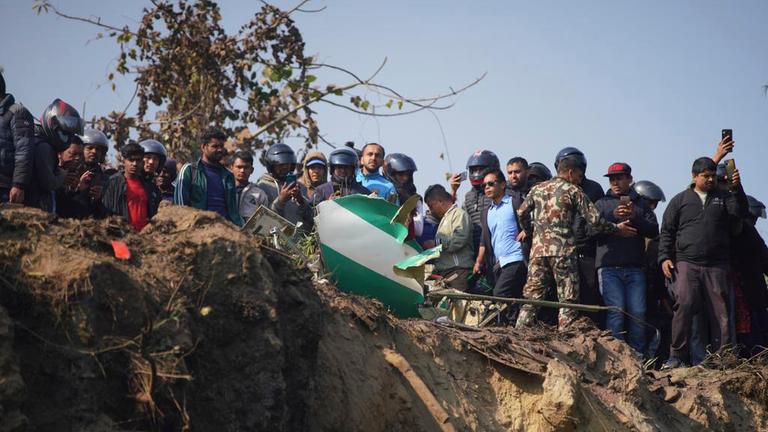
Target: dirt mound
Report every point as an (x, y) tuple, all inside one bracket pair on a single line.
[(204, 328), (197, 328)]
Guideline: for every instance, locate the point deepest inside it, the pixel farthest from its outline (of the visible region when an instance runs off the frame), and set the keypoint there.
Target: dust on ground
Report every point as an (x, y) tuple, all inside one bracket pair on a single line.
[(206, 329)]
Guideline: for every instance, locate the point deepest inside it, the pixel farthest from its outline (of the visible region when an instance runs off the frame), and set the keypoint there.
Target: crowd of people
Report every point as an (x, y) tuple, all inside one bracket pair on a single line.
[(696, 279)]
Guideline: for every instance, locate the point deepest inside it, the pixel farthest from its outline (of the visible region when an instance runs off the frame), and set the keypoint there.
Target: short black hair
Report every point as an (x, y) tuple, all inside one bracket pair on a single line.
[(499, 175), (570, 163), (130, 150), (518, 160), (212, 133), (437, 192), (703, 164), (244, 156), (383, 152)]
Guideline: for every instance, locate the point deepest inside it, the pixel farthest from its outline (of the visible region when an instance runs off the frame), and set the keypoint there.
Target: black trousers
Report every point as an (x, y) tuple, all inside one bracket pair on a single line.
[(702, 289), (589, 291), (510, 281)]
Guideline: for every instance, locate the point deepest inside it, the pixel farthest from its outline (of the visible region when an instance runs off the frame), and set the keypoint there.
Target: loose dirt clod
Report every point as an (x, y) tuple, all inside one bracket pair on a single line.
[(202, 329)]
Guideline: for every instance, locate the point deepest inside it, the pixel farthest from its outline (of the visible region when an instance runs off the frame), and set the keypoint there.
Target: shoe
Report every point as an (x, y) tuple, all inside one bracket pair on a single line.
[(674, 363)]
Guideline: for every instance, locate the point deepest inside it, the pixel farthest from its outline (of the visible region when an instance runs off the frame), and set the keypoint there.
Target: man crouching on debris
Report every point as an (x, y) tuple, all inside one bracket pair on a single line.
[(454, 233), (550, 207), (128, 194)]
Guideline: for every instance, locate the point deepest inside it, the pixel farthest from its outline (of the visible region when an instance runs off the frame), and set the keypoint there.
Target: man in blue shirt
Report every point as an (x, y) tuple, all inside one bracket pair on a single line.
[(499, 242), (371, 160)]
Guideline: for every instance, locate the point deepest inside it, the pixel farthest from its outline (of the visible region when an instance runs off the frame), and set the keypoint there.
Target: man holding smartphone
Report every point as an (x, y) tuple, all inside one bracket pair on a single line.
[(694, 251), (619, 260), (343, 163), (287, 196)]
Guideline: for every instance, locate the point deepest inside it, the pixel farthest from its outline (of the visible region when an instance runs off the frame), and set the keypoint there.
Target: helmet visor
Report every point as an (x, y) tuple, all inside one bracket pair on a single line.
[(71, 124)]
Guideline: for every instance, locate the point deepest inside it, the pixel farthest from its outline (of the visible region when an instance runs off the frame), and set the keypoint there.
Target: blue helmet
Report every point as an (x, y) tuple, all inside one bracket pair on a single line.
[(571, 152)]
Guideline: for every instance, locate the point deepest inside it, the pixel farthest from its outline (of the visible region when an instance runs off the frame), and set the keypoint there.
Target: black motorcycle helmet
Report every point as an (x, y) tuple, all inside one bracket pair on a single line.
[(398, 162), (484, 159), (151, 146), (344, 156), (538, 172), (95, 137), (278, 154), (60, 123), (649, 190), (571, 152)]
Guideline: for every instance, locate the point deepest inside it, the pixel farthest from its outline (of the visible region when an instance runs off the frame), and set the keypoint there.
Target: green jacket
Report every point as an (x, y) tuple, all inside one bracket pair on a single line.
[(192, 190), (455, 234)]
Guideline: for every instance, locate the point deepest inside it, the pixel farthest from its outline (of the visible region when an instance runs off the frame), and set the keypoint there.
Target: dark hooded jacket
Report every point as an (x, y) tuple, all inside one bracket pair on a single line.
[(47, 177), (16, 144)]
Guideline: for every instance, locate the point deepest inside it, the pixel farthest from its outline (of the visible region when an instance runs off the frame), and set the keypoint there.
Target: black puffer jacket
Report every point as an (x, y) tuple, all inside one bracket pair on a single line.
[(46, 178), (16, 143)]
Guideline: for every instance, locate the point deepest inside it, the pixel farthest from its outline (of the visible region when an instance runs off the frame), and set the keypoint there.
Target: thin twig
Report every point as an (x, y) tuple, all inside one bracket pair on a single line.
[(372, 114), (97, 22)]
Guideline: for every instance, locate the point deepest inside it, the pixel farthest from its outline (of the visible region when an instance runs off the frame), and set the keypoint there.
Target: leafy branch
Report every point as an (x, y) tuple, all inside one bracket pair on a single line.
[(190, 74)]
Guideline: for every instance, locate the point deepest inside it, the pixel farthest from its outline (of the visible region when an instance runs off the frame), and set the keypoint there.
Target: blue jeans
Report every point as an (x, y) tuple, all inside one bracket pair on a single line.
[(624, 287)]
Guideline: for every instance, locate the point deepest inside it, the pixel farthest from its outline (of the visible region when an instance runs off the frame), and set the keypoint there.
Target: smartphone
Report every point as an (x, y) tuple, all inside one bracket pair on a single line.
[(730, 168), (625, 199), (462, 176), (727, 135), (290, 178)]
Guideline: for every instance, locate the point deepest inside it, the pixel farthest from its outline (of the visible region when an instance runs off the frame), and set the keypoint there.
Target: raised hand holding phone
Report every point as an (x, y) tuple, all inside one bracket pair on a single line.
[(725, 145)]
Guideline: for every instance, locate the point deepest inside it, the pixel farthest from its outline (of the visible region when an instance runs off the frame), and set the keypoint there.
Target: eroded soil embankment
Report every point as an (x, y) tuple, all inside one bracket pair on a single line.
[(204, 329)]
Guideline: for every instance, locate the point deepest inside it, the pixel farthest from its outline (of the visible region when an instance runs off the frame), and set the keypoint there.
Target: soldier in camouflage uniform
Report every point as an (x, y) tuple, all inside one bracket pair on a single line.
[(551, 207)]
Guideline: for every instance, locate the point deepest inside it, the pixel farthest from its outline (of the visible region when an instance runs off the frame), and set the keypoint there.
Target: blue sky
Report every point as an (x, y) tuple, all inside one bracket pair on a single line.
[(649, 83)]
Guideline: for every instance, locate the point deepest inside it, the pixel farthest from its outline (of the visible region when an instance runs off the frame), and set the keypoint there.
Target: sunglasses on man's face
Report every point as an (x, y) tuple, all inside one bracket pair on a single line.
[(490, 183)]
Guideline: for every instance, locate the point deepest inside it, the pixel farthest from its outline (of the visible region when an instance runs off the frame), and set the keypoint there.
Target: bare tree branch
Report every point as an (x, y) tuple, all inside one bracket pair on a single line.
[(372, 114), (393, 93), (322, 138), (95, 21)]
